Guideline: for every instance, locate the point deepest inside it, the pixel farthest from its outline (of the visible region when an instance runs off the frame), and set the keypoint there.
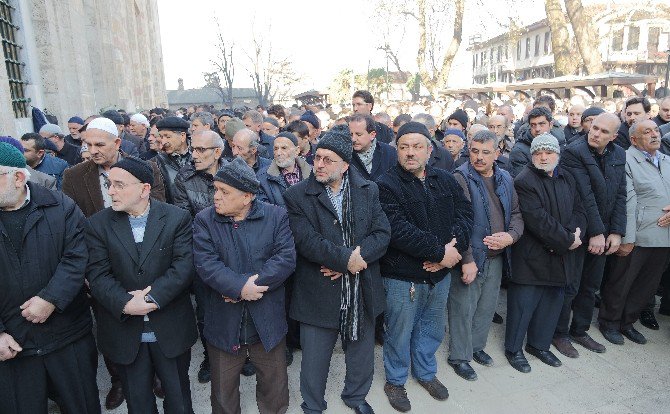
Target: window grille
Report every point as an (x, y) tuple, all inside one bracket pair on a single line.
[(13, 64)]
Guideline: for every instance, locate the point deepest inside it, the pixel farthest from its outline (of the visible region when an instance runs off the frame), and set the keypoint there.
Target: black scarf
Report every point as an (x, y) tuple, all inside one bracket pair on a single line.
[(351, 304)]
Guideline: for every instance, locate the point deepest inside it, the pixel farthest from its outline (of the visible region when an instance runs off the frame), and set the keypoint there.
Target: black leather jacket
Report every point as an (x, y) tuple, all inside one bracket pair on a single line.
[(194, 190)]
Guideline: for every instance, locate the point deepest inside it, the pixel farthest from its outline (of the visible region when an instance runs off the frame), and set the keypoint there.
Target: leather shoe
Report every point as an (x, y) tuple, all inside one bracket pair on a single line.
[(518, 361), (587, 342), (482, 358), (545, 356), (397, 396), (464, 370), (612, 335), (364, 409), (647, 319), (435, 388), (158, 388), (564, 346), (114, 397), (634, 335), (497, 319)]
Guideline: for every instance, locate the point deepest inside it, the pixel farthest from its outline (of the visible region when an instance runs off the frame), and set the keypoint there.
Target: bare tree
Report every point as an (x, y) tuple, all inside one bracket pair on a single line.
[(586, 36), (213, 81), (560, 38), (224, 65)]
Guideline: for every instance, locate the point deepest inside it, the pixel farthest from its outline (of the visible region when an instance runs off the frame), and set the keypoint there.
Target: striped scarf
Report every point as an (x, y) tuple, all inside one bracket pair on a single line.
[(351, 303)]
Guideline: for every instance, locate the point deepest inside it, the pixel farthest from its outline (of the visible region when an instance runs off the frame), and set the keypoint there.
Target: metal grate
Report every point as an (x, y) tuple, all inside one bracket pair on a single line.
[(13, 65)]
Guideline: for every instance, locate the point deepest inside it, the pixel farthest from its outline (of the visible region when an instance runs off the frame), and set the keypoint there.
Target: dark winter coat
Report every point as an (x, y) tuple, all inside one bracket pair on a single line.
[(273, 184), (424, 217), (551, 210), (440, 158), (54, 167), (116, 267), (384, 157), (318, 240), (193, 190), (50, 265), (169, 168), (601, 181), (623, 136), (226, 254), (520, 155)]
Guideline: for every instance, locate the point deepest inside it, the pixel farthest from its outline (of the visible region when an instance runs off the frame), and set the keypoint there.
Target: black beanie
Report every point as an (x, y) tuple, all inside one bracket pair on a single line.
[(413, 127), (338, 140), (461, 116), (238, 174), (140, 169)]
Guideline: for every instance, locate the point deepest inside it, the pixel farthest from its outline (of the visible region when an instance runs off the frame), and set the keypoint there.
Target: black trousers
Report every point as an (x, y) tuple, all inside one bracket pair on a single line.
[(580, 298), (69, 372), (137, 381), (533, 311), (201, 293), (293, 335), (317, 349), (631, 282)]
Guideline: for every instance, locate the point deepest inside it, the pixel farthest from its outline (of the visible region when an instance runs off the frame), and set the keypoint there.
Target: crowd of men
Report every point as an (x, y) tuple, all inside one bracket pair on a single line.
[(291, 234)]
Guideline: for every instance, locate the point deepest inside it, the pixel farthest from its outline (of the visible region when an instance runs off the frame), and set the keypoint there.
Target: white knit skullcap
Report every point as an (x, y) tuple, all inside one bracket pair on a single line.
[(140, 119), (103, 124)]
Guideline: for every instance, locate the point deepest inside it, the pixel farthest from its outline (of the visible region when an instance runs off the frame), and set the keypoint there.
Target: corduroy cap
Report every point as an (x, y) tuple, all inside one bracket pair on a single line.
[(239, 175), (173, 123), (545, 142), (139, 168), (10, 156), (413, 127), (338, 140)]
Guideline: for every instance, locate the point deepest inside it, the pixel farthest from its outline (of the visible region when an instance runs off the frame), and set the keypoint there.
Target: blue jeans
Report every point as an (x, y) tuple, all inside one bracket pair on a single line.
[(414, 329)]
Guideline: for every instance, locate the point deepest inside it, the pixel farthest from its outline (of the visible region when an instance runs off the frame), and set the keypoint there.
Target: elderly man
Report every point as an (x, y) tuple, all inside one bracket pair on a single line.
[(287, 169), (175, 151), (371, 157), (140, 269), (120, 123), (597, 165), (454, 142), (64, 150), (431, 223), (243, 253), (246, 146), (539, 122), (202, 121), (574, 127), (645, 250), (74, 124), (46, 344), (253, 120), (140, 127), (34, 147), (340, 234), (475, 285), (499, 125), (544, 257)]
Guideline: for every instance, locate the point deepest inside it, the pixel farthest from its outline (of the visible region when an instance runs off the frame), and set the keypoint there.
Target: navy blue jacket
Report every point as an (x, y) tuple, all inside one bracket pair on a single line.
[(54, 167), (384, 157), (424, 217), (226, 254), (602, 186)]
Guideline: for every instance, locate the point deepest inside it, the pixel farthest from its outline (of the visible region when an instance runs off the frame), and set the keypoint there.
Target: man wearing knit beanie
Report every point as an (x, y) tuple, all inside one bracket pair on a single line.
[(45, 319), (458, 120), (141, 261), (243, 253), (341, 233), (36, 177), (74, 124)]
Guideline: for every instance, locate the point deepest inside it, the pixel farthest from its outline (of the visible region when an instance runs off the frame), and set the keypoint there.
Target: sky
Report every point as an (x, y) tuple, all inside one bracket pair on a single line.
[(321, 38)]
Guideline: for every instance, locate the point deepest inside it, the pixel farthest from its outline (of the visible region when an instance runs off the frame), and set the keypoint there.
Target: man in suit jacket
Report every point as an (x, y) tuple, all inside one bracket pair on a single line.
[(340, 234), (140, 269), (86, 183), (645, 249)]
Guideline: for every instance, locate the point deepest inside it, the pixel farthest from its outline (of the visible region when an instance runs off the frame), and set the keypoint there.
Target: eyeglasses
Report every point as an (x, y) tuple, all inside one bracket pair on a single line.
[(326, 160), (201, 150), (118, 185)]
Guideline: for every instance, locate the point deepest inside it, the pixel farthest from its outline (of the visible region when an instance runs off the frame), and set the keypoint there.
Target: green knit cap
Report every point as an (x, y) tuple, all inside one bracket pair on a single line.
[(10, 156)]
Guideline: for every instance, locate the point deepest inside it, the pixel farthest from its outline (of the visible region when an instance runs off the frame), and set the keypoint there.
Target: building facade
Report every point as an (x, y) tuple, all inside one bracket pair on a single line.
[(76, 57), (632, 39)]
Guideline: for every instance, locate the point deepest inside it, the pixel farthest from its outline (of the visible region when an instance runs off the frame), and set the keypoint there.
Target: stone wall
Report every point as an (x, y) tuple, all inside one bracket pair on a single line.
[(85, 55)]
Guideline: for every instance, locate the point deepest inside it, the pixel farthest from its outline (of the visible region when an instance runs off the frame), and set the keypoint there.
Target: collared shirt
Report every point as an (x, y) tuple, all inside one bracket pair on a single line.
[(104, 184), (337, 199), (651, 158), (182, 159), (367, 156), (293, 177)]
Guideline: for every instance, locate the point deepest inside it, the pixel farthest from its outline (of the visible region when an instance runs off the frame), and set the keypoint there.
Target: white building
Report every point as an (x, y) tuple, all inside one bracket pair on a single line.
[(75, 57)]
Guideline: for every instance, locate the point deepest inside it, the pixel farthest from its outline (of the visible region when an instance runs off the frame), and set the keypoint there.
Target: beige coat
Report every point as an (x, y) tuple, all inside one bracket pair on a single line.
[(648, 192)]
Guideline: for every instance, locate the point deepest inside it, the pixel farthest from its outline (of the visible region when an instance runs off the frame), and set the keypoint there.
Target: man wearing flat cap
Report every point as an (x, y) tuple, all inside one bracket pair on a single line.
[(46, 345), (140, 270), (243, 251), (87, 184), (431, 223), (546, 257), (340, 234), (175, 151)]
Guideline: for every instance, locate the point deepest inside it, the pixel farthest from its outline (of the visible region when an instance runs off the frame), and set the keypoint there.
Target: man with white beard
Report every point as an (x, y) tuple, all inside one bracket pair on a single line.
[(544, 256)]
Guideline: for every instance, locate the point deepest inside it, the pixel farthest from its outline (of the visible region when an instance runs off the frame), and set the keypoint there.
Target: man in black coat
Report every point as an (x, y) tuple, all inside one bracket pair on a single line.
[(340, 234), (140, 268), (371, 157), (637, 109), (544, 257), (431, 223), (46, 344), (598, 167)]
